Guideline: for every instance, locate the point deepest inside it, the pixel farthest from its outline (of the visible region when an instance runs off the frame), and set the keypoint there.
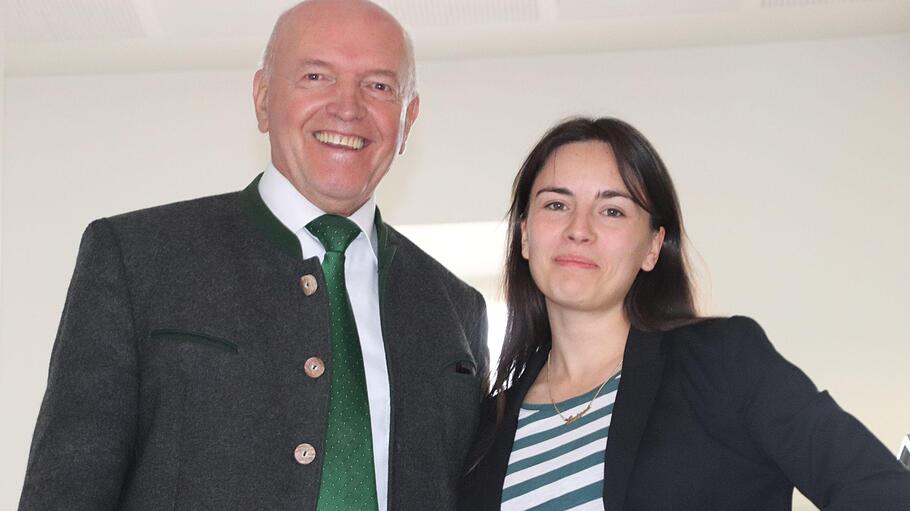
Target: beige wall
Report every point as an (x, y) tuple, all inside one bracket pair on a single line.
[(7, 470), (788, 158)]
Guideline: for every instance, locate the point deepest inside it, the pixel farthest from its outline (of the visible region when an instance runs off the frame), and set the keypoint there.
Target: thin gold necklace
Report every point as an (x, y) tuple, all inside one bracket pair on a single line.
[(580, 414)]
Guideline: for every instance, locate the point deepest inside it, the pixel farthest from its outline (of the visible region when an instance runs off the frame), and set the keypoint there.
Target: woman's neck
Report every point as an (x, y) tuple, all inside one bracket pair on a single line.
[(586, 345)]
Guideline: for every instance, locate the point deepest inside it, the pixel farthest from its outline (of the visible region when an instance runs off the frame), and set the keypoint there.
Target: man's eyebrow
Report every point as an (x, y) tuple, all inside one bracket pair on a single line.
[(392, 75), (314, 62), (372, 72)]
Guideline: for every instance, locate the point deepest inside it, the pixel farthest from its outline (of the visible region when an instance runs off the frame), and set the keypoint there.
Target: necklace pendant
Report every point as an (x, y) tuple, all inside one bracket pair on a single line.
[(573, 418)]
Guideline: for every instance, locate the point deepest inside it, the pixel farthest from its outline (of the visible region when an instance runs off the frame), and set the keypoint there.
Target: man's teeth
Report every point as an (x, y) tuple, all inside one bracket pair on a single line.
[(351, 142)]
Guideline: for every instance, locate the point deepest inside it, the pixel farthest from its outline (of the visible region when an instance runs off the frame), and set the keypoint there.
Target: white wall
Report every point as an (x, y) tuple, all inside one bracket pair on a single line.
[(7, 470), (788, 158)]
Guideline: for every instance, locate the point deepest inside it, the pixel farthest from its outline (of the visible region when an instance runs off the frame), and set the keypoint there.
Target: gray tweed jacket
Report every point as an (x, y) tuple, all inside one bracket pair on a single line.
[(177, 377)]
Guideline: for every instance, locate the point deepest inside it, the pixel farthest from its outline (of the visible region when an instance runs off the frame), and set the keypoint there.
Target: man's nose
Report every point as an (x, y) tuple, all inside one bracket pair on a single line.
[(347, 102)]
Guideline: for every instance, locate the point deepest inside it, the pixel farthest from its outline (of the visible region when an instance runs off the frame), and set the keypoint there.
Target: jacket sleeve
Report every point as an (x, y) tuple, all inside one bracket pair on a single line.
[(829, 455), (83, 440), (477, 339)]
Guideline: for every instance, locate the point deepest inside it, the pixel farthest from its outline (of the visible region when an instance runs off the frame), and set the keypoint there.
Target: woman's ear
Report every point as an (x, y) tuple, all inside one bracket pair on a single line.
[(524, 238), (657, 241)]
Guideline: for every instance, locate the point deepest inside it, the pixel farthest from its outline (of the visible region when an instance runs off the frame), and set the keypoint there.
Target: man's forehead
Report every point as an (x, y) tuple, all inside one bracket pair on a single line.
[(342, 15), (365, 40)]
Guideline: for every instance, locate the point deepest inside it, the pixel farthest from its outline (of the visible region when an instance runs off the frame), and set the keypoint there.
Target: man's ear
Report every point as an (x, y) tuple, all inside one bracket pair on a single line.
[(261, 100), (409, 117), (657, 241)]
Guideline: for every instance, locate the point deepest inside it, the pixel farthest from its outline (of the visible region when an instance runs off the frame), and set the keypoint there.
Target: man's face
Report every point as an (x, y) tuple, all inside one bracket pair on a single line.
[(333, 102)]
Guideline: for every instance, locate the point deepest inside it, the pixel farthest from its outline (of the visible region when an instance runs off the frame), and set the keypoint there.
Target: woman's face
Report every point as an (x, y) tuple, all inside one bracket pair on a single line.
[(584, 237)]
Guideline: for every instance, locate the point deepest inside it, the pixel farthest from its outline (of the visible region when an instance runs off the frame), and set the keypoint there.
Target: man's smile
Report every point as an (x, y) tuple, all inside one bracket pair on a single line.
[(338, 140)]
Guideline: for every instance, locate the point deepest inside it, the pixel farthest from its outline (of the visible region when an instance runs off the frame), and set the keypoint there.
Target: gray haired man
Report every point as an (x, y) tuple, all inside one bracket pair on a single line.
[(277, 348)]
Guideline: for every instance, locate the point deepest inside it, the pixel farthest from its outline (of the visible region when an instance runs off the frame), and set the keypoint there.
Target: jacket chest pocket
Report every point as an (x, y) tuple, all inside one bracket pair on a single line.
[(185, 336), (180, 355), (223, 376)]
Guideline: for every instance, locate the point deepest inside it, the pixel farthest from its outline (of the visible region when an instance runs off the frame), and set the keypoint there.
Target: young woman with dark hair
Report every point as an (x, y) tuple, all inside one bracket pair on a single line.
[(611, 392)]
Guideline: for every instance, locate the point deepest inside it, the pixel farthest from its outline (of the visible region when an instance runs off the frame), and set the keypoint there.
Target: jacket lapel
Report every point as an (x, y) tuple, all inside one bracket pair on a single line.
[(641, 377), (272, 228), (388, 245)]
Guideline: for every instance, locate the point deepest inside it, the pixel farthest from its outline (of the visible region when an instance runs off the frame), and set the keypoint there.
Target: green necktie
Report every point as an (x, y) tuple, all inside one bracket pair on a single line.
[(348, 479)]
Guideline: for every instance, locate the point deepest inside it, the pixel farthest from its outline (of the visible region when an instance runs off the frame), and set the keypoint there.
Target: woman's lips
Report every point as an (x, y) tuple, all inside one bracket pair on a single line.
[(575, 262)]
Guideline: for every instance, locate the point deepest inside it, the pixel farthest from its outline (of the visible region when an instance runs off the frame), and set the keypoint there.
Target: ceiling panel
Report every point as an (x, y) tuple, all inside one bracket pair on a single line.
[(432, 13), (572, 10), (75, 36), (67, 20), (199, 19)]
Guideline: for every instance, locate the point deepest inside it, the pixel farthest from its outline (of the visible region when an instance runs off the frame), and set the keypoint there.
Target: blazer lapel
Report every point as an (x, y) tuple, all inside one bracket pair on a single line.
[(641, 376), (532, 368), (494, 445)]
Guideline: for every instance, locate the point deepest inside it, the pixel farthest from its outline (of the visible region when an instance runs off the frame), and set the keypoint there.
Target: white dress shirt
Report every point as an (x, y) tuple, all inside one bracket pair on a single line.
[(361, 274)]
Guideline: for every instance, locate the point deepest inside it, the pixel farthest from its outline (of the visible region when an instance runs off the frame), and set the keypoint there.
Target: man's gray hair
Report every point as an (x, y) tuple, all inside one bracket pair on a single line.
[(410, 82)]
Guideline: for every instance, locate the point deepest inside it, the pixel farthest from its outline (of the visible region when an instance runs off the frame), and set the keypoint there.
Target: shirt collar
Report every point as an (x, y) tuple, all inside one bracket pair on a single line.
[(294, 210)]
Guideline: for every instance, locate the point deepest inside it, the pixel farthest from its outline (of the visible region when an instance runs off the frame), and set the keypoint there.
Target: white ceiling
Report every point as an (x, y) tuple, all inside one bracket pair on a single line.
[(94, 36)]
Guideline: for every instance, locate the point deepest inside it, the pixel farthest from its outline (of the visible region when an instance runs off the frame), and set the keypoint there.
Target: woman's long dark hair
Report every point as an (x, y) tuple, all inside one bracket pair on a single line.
[(658, 300)]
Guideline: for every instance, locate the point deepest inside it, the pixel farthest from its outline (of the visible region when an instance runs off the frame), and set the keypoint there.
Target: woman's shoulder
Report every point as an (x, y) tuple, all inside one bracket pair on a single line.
[(724, 356), (740, 337), (714, 327)]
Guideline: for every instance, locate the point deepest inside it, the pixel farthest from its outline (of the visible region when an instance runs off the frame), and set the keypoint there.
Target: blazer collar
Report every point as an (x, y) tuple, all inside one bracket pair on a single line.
[(287, 242), (641, 377), (522, 384)]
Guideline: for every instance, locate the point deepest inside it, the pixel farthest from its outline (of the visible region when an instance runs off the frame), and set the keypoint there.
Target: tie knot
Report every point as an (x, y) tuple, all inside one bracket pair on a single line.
[(334, 232)]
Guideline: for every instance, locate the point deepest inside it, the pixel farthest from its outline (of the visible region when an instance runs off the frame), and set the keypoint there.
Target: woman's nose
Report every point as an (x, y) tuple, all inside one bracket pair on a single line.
[(579, 229)]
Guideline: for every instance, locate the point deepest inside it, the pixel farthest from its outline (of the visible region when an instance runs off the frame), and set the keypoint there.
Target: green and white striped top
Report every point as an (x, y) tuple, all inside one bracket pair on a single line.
[(558, 466)]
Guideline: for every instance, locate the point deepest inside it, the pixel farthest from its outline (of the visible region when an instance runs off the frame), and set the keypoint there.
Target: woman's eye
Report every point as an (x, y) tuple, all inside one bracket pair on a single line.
[(555, 206), (613, 212)]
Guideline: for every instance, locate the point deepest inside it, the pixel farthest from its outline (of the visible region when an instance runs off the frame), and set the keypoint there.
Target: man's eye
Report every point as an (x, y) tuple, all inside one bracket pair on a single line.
[(312, 77), (381, 90)]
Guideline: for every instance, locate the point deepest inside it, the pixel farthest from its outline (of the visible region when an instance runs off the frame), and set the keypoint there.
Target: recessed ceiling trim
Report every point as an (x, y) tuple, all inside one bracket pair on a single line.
[(161, 35), (809, 3), (148, 17)]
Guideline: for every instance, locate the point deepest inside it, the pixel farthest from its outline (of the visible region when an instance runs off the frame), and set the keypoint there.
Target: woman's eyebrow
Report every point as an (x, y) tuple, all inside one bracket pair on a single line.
[(603, 194), (609, 194), (556, 189)]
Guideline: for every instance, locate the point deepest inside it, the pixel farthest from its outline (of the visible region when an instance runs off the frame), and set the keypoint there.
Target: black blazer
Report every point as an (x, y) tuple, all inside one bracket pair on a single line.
[(710, 417), (177, 380)]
